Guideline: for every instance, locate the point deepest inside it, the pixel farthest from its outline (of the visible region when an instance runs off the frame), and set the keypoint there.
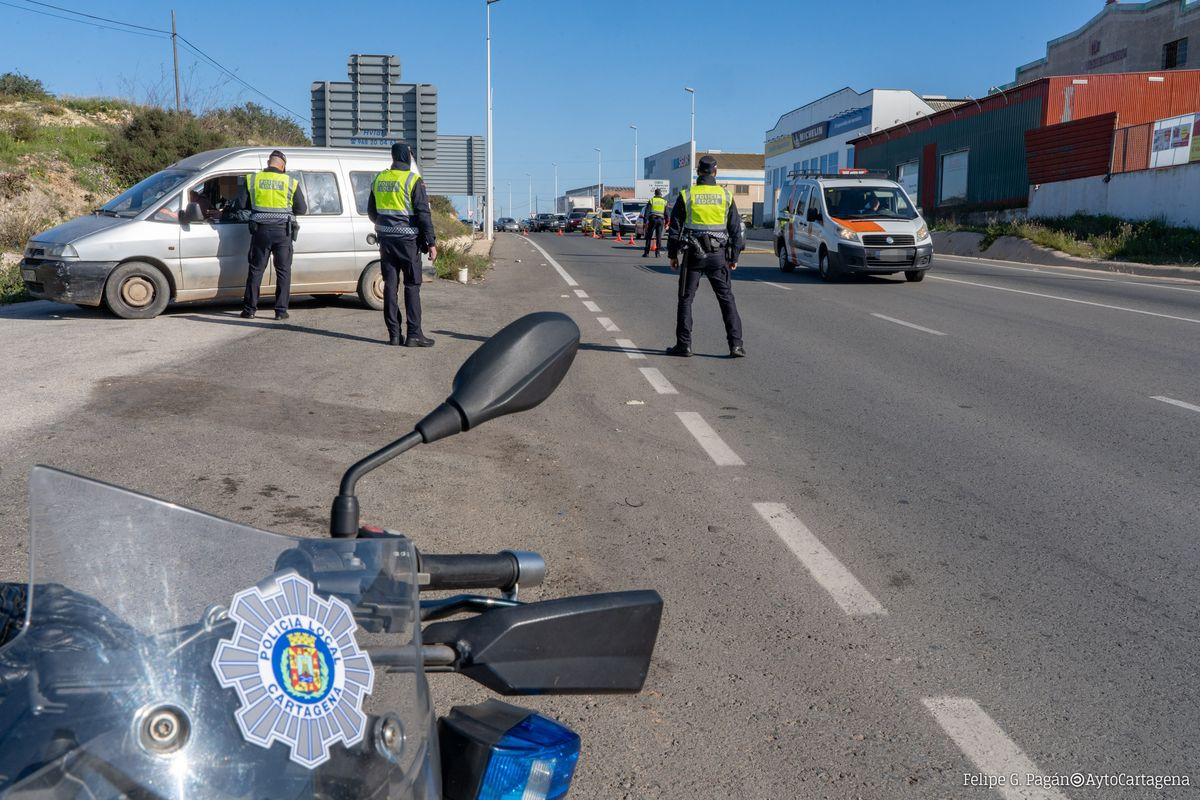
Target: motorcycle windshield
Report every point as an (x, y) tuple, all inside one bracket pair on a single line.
[(169, 653)]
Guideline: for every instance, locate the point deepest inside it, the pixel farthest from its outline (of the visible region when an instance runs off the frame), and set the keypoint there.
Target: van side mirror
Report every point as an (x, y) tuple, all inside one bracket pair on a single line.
[(193, 213), (814, 215)]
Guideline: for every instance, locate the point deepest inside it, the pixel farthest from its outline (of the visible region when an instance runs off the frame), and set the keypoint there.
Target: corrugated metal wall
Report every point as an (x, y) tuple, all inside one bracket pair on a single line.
[(1071, 150), (1131, 148), (1134, 96), (996, 172)]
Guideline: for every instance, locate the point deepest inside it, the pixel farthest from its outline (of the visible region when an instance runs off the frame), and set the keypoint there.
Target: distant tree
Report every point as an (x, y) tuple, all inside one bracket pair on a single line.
[(439, 203), (608, 200), (19, 85), (252, 124), (154, 139)]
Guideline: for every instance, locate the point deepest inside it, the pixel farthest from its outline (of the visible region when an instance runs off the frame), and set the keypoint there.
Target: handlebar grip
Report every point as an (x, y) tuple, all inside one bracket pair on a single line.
[(502, 570)]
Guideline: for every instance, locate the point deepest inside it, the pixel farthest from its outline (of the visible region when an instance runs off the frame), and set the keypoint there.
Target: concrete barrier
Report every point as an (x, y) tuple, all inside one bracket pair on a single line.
[(1167, 193)]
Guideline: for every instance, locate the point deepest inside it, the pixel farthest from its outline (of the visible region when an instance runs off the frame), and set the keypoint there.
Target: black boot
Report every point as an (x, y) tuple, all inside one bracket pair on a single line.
[(681, 350)]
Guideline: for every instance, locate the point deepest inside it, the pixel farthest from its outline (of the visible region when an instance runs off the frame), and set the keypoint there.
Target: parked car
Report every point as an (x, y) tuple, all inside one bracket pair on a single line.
[(544, 221), (174, 237), (851, 225), (575, 219), (507, 225), (605, 220), (558, 223), (588, 224), (625, 215)]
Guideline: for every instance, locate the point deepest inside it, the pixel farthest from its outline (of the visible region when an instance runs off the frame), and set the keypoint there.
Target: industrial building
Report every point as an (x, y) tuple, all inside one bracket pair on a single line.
[(816, 137), (740, 173), (1123, 37), (974, 156)]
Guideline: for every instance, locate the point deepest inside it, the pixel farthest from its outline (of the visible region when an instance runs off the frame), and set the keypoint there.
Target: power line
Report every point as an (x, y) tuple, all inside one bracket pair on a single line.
[(196, 50), (93, 16), (80, 21)]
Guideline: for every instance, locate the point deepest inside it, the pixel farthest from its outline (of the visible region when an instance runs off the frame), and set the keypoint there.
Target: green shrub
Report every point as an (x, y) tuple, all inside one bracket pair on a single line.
[(18, 85), (12, 184), (19, 225), (12, 288), (97, 105), (453, 257), (254, 124), (447, 226), (21, 127), (154, 139)]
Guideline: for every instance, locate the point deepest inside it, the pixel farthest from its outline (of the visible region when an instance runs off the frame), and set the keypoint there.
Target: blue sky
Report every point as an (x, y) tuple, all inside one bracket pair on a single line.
[(568, 75)]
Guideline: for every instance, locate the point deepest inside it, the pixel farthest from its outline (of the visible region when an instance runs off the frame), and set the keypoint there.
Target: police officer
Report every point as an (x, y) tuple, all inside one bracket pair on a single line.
[(273, 198), (656, 213), (399, 207), (706, 226)]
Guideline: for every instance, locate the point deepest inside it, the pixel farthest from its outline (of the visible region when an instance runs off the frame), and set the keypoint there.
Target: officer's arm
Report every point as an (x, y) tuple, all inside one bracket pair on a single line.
[(299, 203), (372, 211), (420, 200), (735, 227), (675, 230)]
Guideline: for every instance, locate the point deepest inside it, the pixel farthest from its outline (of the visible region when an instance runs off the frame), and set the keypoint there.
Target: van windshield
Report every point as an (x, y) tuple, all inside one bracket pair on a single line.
[(147, 194), (632, 208), (868, 202)]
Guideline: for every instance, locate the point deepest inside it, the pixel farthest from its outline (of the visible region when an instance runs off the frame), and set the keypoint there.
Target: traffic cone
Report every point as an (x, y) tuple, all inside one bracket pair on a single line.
[(653, 246)]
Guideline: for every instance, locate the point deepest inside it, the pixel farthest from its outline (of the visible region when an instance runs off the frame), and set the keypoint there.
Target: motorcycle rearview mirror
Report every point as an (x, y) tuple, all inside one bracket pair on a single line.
[(574, 645), (514, 370)]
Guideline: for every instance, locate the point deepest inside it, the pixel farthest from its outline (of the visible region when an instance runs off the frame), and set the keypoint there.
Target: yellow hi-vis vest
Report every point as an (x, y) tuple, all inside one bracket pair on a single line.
[(393, 201), (658, 206), (706, 207), (271, 195)]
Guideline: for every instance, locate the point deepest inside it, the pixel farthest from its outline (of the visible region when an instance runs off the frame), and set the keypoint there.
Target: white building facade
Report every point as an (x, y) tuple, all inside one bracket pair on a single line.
[(741, 173), (815, 137)]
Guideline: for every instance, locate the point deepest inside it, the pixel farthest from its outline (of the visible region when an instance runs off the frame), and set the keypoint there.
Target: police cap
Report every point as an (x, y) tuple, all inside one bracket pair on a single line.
[(401, 153), (707, 166), (277, 154)]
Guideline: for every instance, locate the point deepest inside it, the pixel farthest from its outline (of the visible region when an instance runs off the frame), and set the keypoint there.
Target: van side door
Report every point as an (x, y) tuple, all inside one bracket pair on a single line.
[(323, 255), (214, 254), (365, 249), (798, 238)]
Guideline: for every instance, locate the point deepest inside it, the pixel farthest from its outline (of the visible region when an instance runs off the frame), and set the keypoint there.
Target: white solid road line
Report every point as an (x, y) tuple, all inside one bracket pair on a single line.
[(989, 748), (590, 306), (562, 272), (658, 380), (823, 565), (717, 450), (630, 349), (1179, 403), (776, 285), (908, 324), (581, 293), (1051, 270), (1067, 299), (608, 324)]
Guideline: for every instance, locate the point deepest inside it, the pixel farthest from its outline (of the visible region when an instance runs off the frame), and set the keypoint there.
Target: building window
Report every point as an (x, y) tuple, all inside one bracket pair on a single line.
[(907, 176), (833, 163), (1174, 54), (954, 177), (850, 158), (741, 188)]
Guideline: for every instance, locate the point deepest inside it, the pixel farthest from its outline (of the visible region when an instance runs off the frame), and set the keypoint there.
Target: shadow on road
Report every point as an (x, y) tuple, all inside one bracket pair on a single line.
[(233, 318), (593, 346)]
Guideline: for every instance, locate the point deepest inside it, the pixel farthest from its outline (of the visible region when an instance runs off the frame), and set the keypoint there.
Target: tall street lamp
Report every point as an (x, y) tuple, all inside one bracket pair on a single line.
[(599, 181), (635, 169), (490, 213), (556, 211), (510, 212), (527, 175), (692, 154)]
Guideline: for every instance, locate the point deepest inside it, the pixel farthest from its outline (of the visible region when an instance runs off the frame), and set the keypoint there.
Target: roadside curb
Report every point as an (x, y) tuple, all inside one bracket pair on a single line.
[(1012, 249)]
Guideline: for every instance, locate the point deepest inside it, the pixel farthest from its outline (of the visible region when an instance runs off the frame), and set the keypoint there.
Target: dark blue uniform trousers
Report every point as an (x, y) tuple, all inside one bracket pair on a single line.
[(713, 267), (274, 241), (400, 259)]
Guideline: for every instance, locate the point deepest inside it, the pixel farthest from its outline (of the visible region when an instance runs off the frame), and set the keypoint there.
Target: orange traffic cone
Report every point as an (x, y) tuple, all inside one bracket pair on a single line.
[(559, 232), (653, 246)]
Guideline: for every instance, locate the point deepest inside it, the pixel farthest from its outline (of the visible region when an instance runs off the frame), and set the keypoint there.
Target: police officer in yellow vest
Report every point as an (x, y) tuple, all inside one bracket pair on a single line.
[(707, 231), (399, 207), (273, 198), (656, 214)]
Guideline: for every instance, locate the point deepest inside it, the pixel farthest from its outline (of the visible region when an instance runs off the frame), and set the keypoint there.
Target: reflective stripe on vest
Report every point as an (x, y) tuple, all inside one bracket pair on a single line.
[(392, 189), (706, 206), (271, 195), (658, 205)]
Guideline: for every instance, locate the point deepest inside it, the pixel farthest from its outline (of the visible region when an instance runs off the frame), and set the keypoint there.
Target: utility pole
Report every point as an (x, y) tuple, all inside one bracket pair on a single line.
[(489, 188), (635, 169), (599, 180), (175, 51), (556, 211)]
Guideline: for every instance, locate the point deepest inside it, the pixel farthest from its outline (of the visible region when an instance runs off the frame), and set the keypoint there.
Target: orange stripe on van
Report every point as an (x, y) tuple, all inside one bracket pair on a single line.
[(859, 226)]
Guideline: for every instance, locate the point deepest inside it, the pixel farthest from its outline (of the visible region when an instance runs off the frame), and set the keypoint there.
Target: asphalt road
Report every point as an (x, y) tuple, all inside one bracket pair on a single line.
[(898, 561)]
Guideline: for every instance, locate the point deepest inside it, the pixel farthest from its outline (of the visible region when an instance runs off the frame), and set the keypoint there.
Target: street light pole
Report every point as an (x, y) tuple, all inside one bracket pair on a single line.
[(527, 175), (489, 188), (692, 154), (635, 169), (556, 211), (599, 180), (509, 214)]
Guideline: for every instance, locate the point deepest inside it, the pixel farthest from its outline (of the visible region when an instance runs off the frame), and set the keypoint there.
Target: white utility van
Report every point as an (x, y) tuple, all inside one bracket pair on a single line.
[(172, 237), (847, 224), (625, 215)]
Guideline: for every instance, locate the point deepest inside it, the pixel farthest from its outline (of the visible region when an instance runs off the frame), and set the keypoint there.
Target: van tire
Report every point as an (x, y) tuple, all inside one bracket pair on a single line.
[(136, 290), (785, 263), (914, 275), (370, 286), (823, 266)]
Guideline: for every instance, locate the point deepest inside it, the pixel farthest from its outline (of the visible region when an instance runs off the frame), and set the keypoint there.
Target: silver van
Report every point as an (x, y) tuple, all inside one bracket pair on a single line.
[(173, 237)]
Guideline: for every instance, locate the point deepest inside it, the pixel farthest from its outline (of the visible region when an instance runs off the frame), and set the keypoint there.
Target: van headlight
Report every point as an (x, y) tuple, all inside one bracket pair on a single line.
[(847, 234), (922, 233)]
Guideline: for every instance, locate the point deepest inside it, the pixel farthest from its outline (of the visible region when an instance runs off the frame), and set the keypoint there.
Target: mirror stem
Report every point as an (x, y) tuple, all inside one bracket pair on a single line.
[(343, 519)]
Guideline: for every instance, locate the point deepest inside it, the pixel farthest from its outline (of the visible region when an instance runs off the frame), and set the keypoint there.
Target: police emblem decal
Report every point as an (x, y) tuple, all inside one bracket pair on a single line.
[(297, 669), (890, 240)]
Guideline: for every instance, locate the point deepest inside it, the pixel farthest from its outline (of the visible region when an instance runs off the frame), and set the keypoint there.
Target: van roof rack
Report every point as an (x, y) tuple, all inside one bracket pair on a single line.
[(877, 173)]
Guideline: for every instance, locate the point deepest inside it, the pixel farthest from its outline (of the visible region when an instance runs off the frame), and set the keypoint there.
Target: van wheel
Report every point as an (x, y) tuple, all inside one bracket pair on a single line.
[(136, 290), (914, 275), (370, 286), (785, 263), (823, 266)]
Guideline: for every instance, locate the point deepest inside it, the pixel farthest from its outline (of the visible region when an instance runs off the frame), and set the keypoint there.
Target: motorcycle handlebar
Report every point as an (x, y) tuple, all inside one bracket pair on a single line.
[(504, 570)]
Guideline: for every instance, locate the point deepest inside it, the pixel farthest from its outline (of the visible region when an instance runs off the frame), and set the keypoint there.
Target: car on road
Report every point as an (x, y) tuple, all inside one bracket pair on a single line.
[(575, 219), (588, 224), (558, 223), (507, 225), (625, 215), (176, 235), (605, 220), (544, 221), (851, 225)]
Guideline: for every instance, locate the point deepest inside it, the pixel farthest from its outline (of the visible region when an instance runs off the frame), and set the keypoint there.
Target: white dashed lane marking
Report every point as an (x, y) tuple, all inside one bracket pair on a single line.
[(989, 748), (608, 324), (908, 325), (822, 564), (630, 349), (721, 454), (1173, 402), (592, 307), (581, 293), (658, 380), (776, 285)]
